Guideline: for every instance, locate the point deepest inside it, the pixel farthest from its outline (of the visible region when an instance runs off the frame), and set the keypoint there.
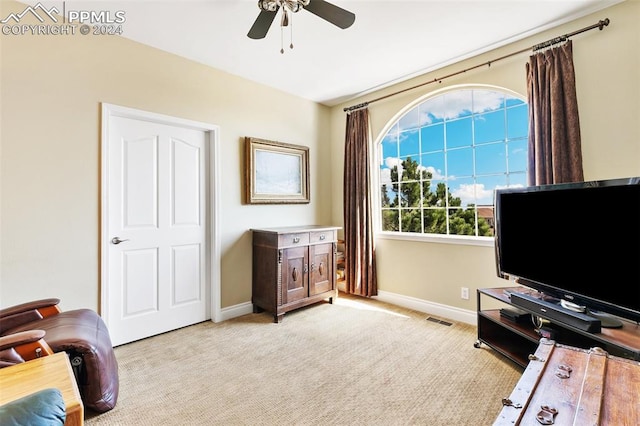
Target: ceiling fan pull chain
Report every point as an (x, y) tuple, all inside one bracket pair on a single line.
[(291, 33), (281, 39), (284, 21)]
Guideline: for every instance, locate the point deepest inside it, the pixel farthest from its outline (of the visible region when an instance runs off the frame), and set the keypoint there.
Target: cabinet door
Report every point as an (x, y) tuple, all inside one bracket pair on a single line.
[(294, 274), (322, 270)]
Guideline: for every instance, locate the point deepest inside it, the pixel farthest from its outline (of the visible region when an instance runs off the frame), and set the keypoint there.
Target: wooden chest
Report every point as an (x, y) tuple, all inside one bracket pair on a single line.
[(571, 386)]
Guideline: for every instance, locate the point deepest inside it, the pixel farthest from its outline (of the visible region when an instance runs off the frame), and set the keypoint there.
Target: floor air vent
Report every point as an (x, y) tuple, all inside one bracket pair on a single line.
[(436, 320)]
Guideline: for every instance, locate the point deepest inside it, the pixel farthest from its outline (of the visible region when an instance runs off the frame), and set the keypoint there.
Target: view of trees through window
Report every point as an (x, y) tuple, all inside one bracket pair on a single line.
[(443, 159)]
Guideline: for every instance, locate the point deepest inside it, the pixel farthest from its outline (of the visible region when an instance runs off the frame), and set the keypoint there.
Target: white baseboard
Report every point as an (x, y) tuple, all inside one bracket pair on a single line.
[(236, 311), (436, 309)]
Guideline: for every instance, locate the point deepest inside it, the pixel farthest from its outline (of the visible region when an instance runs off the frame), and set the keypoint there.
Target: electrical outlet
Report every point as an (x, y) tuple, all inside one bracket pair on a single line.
[(464, 293)]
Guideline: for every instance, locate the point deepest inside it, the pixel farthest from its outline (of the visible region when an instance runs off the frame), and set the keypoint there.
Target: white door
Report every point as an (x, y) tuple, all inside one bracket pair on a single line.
[(157, 228)]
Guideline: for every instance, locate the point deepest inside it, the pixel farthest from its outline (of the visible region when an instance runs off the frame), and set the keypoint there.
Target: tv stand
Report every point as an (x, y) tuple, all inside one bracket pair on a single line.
[(517, 340)]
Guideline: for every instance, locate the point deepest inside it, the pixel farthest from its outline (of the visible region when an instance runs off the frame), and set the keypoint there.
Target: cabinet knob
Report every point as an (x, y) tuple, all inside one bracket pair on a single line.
[(296, 240), (322, 237)]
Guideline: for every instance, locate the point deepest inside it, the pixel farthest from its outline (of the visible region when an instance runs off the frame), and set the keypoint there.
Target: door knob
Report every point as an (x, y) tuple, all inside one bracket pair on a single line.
[(116, 240)]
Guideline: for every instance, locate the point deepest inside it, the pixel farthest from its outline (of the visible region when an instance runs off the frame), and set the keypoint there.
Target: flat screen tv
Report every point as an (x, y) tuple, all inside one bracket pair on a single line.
[(579, 242)]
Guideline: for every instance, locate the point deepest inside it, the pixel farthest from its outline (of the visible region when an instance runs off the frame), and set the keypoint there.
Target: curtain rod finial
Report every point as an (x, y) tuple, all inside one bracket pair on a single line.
[(603, 24)]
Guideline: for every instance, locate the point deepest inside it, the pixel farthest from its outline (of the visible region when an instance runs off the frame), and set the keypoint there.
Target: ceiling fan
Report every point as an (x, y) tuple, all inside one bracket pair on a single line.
[(269, 9)]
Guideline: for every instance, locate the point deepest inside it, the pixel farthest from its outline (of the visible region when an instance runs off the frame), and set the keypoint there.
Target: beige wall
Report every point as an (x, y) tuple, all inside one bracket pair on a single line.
[(607, 67), (52, 88)]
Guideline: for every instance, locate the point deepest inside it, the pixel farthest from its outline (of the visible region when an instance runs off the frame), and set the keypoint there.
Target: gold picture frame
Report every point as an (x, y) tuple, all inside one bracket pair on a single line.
[(276, 172)]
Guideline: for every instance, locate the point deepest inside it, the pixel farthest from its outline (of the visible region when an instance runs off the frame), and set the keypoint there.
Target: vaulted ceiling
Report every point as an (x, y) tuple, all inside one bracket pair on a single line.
[(390, 40)]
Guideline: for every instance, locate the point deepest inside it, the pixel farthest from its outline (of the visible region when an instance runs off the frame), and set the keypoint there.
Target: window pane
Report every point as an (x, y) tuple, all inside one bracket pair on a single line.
[(385, 175), (485, 186), (435, 221), (486, 221), (410, 120), (431, 111), (458, 132), (389, 171), (432, 137), (487, 100), (411, 220), (460, 162), (458, 225), (395, 167), (457, 104), (518, 122), (390, 144), (517, 180), (489, 127), (462, 192), (386, 195), (431, 198), (409, 143), (433, 163), (491, 158), (390, 220), (410, 192), (511, 101), (517, 156)]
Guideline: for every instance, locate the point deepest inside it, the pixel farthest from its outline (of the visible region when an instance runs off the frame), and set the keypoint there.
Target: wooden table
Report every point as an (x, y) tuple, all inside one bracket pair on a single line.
[(53, 371)]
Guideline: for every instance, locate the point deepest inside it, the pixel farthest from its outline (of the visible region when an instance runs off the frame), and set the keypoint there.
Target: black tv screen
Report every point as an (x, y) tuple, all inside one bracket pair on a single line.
[(579, 242)]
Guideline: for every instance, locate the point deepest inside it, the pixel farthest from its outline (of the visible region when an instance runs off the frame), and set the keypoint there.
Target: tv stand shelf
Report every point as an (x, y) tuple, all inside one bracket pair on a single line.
[(517, 341)]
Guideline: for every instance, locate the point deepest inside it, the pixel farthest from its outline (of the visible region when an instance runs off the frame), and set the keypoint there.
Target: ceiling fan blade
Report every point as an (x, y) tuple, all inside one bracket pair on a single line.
[(330, 12), (262, 24)]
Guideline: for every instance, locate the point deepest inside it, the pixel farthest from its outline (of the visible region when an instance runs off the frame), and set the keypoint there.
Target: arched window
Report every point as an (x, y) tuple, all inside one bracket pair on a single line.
[(442, 160)]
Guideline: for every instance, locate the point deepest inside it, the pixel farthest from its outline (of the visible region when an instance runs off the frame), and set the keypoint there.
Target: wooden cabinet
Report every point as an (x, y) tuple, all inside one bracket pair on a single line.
[(293, 267), (517, 341)]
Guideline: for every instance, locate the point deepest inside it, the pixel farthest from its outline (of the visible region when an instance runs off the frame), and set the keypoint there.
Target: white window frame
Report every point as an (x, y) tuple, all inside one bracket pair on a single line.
[(375, 172)]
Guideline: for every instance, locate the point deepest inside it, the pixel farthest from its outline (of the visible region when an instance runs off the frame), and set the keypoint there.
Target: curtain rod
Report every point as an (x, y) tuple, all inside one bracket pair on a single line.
[(600, 25)]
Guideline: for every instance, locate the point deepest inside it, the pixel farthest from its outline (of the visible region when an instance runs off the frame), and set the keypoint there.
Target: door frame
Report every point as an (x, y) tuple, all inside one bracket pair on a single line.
[(213, 206)]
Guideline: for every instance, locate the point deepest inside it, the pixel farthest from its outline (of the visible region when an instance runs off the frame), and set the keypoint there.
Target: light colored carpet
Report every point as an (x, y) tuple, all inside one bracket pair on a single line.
[(354, 362)]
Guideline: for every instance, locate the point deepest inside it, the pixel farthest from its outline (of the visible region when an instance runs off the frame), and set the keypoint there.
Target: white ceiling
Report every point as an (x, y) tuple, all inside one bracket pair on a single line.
[(390, 41)]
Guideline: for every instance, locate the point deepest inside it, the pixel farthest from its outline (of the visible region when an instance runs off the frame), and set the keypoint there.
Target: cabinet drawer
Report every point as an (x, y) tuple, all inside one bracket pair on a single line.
[(322, 237), (293, 239)]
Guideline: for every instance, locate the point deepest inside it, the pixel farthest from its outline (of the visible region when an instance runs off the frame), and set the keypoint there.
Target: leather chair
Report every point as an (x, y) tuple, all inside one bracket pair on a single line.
[(20, 347), (40, 328)]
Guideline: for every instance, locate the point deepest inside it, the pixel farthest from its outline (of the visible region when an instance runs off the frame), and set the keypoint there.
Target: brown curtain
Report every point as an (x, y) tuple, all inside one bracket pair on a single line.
[(360, 257), (555, 154)]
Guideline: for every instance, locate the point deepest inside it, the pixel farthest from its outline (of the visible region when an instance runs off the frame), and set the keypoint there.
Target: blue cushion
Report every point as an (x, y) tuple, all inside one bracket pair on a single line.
[(42, 408)]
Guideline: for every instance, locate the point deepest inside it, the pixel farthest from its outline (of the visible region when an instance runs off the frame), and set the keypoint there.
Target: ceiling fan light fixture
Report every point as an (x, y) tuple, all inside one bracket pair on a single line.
[(268, 5), (323, 9), (284, 20), (292, 5)]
